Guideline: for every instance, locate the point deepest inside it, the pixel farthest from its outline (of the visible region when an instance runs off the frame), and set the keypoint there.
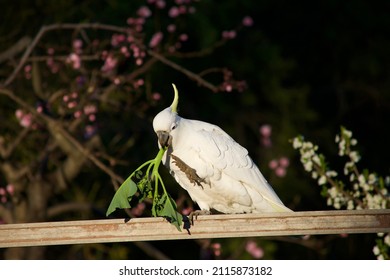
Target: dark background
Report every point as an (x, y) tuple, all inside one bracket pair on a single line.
[(309, 66)]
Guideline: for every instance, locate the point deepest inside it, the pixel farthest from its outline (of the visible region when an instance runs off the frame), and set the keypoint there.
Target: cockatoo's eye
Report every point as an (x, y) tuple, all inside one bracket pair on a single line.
[(173, 126)]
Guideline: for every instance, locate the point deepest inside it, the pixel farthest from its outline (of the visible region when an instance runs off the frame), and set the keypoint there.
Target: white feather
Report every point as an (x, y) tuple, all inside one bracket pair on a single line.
[(232, 183)]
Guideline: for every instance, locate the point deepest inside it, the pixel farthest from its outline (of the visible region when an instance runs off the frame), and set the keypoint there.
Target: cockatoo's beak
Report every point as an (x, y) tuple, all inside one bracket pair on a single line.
[(164, 138)]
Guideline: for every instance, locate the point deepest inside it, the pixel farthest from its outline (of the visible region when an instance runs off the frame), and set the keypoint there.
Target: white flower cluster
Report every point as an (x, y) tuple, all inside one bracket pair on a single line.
[(359, 190)]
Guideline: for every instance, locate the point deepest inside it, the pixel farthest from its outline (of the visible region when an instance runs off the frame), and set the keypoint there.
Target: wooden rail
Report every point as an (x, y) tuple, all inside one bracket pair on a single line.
[(214, 226)]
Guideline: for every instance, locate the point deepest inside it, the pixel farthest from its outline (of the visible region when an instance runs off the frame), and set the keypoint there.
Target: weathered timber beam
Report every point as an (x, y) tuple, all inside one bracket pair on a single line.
[(214, 226)]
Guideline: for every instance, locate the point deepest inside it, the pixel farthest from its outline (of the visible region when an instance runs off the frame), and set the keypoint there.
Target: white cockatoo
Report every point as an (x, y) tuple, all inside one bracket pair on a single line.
[(214, 169)]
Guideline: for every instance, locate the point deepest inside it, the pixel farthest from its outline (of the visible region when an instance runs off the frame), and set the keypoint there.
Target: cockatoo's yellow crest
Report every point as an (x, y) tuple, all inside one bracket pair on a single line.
[(175, 100)]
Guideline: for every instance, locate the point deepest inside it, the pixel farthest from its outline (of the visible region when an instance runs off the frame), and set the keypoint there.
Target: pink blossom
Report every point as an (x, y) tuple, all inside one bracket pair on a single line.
[(92, 117), (138, 210), (266, 141), (125, 51), (265, 130), (130, 21), (280, 171), (139, 61), (171, 28), (2, 191), (72, 104), (90, 109), (183, 37), (156, 96), (27, 68), (75, 60), (228, 87), (187, 211), (77, 45), (174, 12), (216, 249), (229, 34), (116, 39), (156, 39), (52, 65), (182, 9), (247, 21), (26, 120), (77, 114), (273, 164), (284, 162), (254, 250), (19, 113), (50, 51), (109, 64), (3, 199), (144, 12), (117, 81), (160, 4), (10, 189), (130, 39), (74, 95), (140, 82)]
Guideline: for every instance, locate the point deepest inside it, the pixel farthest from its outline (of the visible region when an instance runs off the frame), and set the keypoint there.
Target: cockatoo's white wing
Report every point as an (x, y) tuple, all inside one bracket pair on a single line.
[(227, 168)]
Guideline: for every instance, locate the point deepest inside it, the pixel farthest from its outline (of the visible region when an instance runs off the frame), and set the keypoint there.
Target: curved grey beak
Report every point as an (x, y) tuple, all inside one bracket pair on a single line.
[(164, 138)]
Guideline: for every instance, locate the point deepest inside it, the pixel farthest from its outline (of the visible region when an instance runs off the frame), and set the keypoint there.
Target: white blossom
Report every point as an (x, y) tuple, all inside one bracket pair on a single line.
[(297, 143), (333, 192), (372, 179), (376, 250), (308, 166), (337, 138), (350, 205), (361, 179), (347, 133), (354, 156), (307, 145), (387, 240), (366, 187), (353, 142), (342, 148), (347, 167), (316, 159), (331, 173), (322, 180)]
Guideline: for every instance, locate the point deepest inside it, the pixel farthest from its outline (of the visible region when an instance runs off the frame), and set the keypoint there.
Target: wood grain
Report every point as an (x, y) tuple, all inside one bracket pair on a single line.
[(214, 226)]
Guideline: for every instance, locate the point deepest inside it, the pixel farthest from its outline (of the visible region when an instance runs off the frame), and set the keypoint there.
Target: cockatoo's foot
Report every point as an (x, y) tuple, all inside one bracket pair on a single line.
[(196, 214), (190, 172)]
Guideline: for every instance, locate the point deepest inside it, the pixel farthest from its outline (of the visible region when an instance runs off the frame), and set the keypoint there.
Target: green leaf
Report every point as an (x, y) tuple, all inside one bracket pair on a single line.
[(169, 211), (122, 196), (163, 205)]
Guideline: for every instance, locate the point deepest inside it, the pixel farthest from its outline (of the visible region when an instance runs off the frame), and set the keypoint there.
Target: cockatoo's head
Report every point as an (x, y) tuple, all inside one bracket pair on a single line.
[(165, 122)]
